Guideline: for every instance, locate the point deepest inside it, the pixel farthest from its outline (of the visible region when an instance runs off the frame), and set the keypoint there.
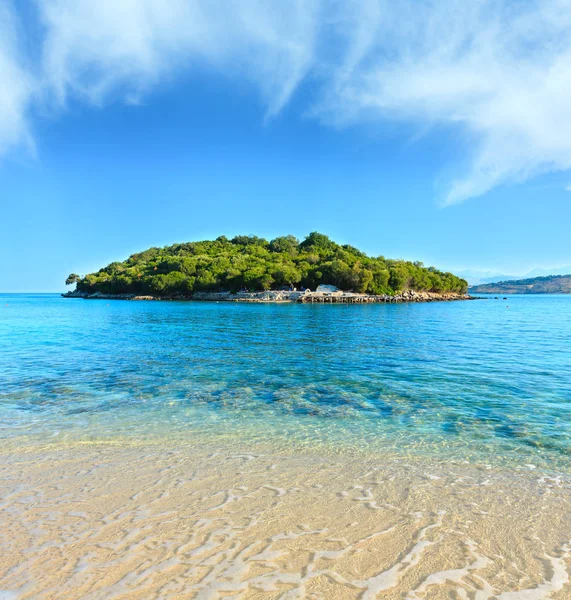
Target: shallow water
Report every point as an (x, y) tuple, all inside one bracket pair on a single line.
[(486, 381), (197, 450), (141, 521)]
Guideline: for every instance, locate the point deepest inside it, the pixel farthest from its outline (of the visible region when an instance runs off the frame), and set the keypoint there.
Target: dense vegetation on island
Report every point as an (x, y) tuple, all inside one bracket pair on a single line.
[(253, 263), (551, 284)]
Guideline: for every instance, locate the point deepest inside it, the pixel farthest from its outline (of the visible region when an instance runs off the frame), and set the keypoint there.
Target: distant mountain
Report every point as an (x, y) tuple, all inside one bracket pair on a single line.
[(476, 277), (542, 272), (551, 284)]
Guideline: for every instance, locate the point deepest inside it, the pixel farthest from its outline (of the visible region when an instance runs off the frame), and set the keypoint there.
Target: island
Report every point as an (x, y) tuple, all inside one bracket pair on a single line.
[(551, 284), (250, 268)]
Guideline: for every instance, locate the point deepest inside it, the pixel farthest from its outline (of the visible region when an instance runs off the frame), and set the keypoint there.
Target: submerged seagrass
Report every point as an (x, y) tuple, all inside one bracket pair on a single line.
[(255, 264)]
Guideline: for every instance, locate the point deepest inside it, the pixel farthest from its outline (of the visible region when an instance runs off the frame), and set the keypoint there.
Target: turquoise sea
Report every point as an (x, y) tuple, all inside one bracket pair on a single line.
[(486, 381)]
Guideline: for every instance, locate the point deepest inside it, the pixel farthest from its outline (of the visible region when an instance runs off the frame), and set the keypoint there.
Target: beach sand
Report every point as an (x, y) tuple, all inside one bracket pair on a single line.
[(173, 520)]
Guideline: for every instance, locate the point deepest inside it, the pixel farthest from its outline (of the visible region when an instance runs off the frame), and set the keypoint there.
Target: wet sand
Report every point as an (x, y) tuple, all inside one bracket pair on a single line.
[(172, 520)]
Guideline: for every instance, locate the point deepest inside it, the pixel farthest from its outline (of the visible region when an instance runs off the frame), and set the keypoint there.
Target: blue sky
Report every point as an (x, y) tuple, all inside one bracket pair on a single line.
[(429, 131)]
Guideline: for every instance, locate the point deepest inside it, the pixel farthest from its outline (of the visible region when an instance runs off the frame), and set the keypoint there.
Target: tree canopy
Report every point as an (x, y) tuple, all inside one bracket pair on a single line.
[(253, 263)]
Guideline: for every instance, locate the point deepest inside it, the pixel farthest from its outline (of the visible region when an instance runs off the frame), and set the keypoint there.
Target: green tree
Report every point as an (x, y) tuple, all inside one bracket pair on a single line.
[(286, 243), (72, 278), (253, 262), (398, 277), (286, 275), (318, 241)]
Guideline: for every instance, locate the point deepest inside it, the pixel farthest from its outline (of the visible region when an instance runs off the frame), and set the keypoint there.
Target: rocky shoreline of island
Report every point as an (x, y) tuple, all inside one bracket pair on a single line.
[(274, 296)]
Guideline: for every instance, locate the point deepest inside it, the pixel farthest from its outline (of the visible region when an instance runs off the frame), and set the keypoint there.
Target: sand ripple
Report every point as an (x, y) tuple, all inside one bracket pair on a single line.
[(108, 521)]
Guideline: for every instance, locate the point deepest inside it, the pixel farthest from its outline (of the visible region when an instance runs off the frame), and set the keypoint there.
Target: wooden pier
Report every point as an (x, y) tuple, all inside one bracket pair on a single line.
[(346, 298)]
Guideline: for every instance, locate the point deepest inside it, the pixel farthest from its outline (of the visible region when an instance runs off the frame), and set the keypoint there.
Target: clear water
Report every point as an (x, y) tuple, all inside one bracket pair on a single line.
[(486, 381)]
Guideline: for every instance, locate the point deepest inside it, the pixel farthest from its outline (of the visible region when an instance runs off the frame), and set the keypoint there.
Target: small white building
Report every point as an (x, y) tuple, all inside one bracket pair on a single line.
[(326, 289)]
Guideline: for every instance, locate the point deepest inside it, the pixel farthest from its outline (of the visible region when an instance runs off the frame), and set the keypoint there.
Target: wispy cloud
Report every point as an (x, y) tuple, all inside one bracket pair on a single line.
[(499, 72), (496, 72), (17, 86), (93, 48)]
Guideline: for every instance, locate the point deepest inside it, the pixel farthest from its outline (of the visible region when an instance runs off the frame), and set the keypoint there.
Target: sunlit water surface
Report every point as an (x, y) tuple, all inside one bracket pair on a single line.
[(486, 381)]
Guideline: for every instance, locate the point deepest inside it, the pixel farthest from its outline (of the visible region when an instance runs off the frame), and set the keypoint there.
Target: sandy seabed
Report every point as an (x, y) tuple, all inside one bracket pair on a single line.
[(169, 520)]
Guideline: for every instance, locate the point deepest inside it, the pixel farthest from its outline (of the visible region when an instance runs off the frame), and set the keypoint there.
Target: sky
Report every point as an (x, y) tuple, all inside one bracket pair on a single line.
[(432, 130)]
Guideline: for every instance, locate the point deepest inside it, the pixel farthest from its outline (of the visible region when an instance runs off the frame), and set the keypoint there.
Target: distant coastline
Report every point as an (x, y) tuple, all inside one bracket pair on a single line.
[(552, 284)]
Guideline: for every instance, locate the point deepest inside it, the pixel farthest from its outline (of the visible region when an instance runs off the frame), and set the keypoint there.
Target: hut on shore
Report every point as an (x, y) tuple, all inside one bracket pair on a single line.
[(325, 288)]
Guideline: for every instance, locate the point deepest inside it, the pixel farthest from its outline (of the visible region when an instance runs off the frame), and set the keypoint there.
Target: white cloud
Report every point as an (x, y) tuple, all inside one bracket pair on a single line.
[(94, 47), (499, 72), (16, 89), (496, 72)]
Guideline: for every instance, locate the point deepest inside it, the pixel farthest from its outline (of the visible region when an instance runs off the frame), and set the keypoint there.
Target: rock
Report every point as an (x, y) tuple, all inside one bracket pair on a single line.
[(284, 296)]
